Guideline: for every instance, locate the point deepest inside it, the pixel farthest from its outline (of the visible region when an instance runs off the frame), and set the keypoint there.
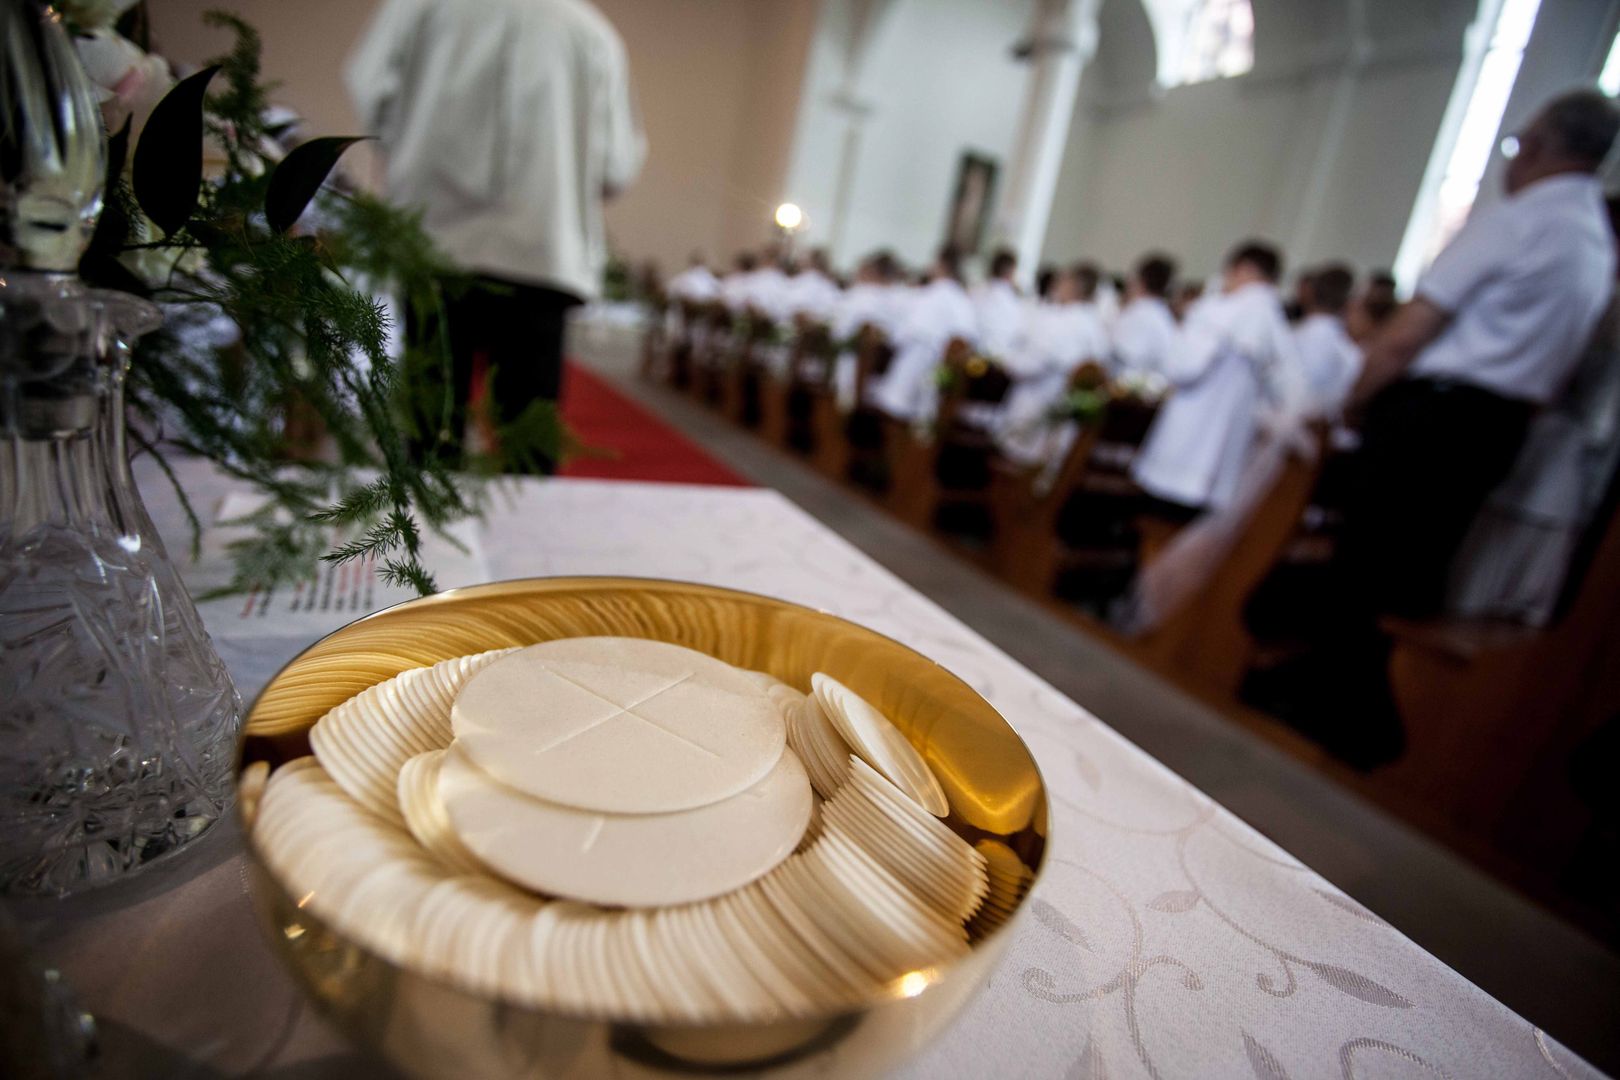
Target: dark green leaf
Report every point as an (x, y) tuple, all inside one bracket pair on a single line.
[(112, 228), (169, 158), (112, 232), (299, 176), (117, 152), (104, 271)]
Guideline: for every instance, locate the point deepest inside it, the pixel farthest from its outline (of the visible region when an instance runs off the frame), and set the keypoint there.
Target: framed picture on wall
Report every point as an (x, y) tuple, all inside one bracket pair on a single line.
[(970, 206)]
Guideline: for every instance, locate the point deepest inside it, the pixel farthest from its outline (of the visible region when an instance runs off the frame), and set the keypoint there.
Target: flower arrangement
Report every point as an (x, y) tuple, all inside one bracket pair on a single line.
[(269, 273)]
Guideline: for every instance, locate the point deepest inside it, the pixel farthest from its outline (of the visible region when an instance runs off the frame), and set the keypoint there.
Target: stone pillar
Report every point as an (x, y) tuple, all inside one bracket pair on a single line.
[(1062, 37), (854, 112), (861, 21)]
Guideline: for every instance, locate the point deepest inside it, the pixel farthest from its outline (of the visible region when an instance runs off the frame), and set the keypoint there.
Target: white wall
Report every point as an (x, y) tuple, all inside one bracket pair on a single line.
[(939, 80), (1313, 150), (716, 80), (1320, 149)]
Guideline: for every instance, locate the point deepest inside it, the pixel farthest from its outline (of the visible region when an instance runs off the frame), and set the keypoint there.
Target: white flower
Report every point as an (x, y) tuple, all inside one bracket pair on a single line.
[(129, 83), (94, 14)]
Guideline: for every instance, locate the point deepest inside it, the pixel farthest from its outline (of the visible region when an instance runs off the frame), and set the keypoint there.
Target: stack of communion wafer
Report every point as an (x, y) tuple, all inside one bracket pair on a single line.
[(1008, 879), (626, 826)]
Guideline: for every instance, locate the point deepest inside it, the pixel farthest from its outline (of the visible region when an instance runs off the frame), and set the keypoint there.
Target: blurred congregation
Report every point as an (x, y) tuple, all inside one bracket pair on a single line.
[(1370, 520), (1274, 345), (1186, 463)]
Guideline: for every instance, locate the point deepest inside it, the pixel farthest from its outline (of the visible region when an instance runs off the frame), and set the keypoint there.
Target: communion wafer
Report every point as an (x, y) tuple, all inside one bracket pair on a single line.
[(363, 742), (424, 813), (915, 845), (618, 725), (634, 860), (823, 750), (879, 743)]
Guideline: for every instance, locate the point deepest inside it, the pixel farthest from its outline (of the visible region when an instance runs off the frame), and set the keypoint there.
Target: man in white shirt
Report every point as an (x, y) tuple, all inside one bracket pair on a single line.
[(999, 308), (940, 311), (1232, 357), (1450, 385), (1330, 361), (507, 122), (1493, 333), (1146, 328)]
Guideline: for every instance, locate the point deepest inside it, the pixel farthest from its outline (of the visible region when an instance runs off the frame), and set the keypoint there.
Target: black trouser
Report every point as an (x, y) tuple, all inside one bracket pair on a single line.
[(518, 331), (1431, 453)]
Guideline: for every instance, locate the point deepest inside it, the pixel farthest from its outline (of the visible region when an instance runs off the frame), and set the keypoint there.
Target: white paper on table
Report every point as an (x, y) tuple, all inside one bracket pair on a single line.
[(331, 596)]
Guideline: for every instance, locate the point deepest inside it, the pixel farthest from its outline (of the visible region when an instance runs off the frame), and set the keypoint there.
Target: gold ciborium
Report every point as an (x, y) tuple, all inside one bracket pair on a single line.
[(433, 1027)]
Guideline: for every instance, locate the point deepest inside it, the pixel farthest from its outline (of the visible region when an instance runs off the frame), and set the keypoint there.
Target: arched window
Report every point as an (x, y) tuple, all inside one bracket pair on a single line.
[(1218, 41), (1467, 135), (1609, 80)]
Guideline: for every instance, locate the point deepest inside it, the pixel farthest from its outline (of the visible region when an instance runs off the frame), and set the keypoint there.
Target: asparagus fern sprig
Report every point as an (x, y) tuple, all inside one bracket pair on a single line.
[(276, 361)]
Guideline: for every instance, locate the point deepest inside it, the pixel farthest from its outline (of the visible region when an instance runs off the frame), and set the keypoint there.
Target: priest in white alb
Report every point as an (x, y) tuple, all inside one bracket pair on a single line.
[(507, 123)]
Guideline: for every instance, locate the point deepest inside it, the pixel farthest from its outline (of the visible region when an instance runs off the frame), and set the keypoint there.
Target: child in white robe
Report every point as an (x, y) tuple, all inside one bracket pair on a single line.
[(1146, 328), (1330, 361), (1062, 335), (812, 294), (940, 311), (875, 299), (999, 308), (1234, 357), (696, 283)]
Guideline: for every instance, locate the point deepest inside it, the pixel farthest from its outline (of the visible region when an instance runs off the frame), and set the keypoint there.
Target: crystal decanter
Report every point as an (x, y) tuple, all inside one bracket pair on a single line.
[(118, 720)]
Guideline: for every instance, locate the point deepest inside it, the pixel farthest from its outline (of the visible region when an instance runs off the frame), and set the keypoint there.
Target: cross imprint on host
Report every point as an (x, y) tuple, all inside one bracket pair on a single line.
[(622, 710)]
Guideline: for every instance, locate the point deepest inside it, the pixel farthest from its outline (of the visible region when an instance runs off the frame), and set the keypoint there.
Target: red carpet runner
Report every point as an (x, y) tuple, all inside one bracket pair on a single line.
[(637, 444)]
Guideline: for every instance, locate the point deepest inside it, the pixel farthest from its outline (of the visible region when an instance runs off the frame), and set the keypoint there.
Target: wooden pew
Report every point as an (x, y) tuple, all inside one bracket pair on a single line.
[(908, 457), (1024, 543), (809, 384), (832, 452), (773, 407), (710, 362), (964, 457), (1205, 641), (657, 343), (866, 462), (784, 401), (745, 373), (1282, 608), (1494, 712), (1027, 549), (678, 369), (912, 451)]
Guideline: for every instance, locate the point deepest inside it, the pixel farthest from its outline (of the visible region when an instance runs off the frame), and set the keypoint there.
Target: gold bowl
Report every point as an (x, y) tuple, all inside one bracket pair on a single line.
[(432, 1027)]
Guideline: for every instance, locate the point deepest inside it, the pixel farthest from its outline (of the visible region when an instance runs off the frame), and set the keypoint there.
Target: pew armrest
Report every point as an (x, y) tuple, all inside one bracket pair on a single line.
[(1464, 640)]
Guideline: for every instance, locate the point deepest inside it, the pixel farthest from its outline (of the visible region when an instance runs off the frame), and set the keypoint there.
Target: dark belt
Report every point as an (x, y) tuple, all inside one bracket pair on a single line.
[(1438, 385)]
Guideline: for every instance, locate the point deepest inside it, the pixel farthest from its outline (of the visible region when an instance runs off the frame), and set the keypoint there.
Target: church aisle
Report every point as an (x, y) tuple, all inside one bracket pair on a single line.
[(626, 442), (1431, 894)]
